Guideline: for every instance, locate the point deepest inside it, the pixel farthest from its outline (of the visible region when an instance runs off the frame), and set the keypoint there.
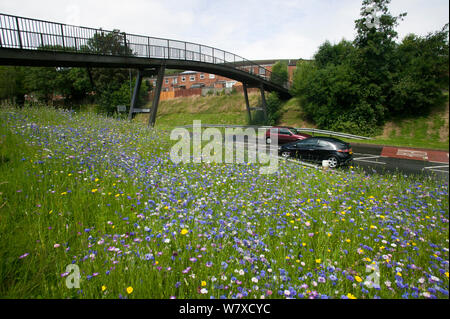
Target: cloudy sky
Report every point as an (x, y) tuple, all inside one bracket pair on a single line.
[(254, 29)]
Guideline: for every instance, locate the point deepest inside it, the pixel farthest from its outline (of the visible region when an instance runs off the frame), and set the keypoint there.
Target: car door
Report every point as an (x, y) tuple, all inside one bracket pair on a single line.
[(283, 135), (305, 148), (322, 150)]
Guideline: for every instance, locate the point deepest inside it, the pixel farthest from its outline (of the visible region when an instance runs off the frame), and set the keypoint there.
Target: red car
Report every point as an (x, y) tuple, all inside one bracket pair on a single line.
[(285, 134)]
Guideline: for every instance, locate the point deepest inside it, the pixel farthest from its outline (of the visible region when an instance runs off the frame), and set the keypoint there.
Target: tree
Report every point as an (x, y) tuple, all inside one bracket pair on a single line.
[(280, 74), (355, 86), (12, 84), (422, 73), (108, 81)]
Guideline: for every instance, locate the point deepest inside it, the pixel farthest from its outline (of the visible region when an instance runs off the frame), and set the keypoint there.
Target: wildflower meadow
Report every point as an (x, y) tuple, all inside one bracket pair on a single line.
[(93, 207)]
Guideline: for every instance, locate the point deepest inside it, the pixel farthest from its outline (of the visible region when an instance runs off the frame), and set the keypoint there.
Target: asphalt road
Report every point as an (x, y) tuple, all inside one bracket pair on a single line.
[(368, 158)]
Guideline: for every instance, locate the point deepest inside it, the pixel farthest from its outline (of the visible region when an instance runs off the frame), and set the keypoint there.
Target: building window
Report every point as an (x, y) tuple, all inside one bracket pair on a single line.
[(174, 81), (183, 79), (166, 81), (262, 71), (202, 76), (192, 78), (212, 76)]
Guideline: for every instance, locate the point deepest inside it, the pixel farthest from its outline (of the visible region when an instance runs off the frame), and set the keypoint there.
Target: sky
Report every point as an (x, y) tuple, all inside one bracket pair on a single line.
[(253, 29)]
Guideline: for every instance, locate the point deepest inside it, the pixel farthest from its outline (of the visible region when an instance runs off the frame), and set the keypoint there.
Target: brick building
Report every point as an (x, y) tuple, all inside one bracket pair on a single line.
[(189, 83)]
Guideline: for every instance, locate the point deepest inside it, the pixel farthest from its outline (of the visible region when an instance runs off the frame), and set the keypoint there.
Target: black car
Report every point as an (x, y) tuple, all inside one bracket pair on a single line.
[(318, 149)]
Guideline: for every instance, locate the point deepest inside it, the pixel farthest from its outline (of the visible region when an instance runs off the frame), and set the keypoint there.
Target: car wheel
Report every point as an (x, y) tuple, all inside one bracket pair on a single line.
[(333, 162), (268, 140)]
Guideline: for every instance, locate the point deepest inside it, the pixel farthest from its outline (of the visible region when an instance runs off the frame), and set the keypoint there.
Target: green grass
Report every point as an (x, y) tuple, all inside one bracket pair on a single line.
[(103, 194), (215, 109)]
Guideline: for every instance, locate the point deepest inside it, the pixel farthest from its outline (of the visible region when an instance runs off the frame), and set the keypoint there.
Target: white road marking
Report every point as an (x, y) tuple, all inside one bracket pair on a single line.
[(367, 157), (437, 166), (438, 170), (367, 161), (411, 153)]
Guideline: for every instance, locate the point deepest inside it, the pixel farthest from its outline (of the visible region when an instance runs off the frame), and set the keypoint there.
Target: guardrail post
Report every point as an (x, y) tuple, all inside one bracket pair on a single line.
[(18, 33)]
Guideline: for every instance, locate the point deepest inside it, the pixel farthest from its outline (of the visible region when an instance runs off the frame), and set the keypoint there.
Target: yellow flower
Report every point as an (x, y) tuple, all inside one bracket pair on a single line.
[(96, 180), (358, 279), (348, 240), (94, 190), (184, 231), (350, 296), (203, 283), (446, 274), (103, 288), (318, 261), (129, 290)]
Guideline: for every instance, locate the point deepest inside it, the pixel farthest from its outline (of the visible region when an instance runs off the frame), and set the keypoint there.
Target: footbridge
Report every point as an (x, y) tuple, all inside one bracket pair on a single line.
[(33, 42)]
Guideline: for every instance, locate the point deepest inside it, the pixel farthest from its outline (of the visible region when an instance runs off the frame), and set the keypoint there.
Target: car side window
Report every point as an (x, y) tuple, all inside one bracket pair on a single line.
[(285, 131), (308, 142), (324, 144)]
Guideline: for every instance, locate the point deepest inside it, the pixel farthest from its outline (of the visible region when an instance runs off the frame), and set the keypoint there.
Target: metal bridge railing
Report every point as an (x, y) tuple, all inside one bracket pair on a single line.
[(33, 34)]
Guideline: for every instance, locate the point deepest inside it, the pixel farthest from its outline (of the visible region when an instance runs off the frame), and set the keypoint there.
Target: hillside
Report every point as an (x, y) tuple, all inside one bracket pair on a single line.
[(222, 109), (425, 132)]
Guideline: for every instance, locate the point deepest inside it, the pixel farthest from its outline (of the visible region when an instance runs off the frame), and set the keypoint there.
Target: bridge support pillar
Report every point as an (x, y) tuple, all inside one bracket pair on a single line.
[(247, 104), (263, 101), (134, 98), (154, 109)]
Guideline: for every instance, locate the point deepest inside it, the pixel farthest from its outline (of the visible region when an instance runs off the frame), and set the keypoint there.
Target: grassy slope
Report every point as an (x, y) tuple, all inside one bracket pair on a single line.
[(225, 109), (103, 194), (423, 132)]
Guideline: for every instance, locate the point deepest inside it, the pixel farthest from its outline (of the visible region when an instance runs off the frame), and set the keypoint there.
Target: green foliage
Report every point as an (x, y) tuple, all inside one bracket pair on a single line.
[(110, 86), (110, 43), (280, 73), (356, 86), (273, 108), (11, 84), (422, 73)]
